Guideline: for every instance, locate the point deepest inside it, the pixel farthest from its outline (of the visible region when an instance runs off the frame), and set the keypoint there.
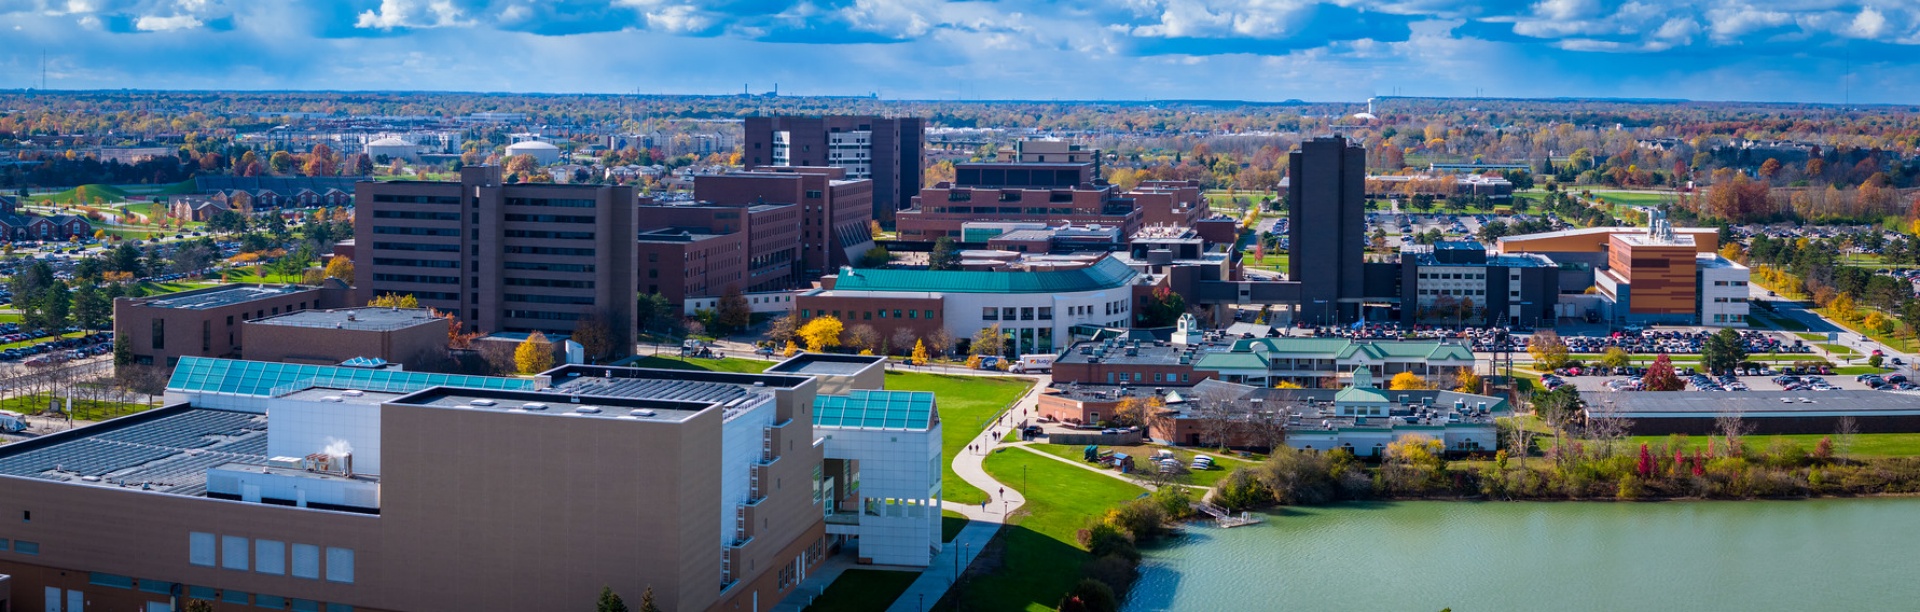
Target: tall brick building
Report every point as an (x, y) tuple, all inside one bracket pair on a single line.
[(887, 150), (503, 257)]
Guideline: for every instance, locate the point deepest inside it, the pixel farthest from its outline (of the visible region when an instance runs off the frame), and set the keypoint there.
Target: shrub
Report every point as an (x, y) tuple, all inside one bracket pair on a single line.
[(1140, 517), (1090, 595), (1106, 539), (1115, 571)]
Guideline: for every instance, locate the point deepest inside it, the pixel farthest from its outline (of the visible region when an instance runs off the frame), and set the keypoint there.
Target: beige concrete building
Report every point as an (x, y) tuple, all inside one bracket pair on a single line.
[(287, 486)]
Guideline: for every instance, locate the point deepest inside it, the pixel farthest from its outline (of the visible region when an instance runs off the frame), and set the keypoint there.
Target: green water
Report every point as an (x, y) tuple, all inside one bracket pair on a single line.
[(1844, 554)]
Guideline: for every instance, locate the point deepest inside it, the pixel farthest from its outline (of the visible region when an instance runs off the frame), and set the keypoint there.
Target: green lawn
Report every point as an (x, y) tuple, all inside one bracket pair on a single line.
[(863, 590), (153, 288), (951, 523), (1858, 370), (1864, 445), (730, 364), (1762, 316), (1839, 351), (1040, 559), (83, 409), (1276, 262), (107, 193), (1634, 198), (967, 405), (1222, 463)]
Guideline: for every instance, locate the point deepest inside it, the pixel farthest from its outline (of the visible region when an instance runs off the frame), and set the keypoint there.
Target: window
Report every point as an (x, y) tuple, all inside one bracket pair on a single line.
[(883, 313), (911, 314), (273, 602), (26, 548), (109, 580), (1007, 313), (159, 334), (1026, 313), (233, 552), (929, 314), (1046, 313), (232, 596), (340, 565), (200, 549), (306, 561), (990, 313), (270, 557)]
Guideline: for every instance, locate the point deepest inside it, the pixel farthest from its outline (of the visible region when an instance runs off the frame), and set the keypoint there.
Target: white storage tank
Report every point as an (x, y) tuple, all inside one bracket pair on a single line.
[(545, 153)]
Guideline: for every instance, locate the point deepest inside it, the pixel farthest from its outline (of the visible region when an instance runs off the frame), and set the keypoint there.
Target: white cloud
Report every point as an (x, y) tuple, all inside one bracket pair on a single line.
[(412, 14), (1869, 23), (679, 18), (151, 23), (1728, 24)]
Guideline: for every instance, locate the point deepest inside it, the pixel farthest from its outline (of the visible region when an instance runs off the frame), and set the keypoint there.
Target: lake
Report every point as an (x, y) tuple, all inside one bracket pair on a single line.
[(1835, 554)]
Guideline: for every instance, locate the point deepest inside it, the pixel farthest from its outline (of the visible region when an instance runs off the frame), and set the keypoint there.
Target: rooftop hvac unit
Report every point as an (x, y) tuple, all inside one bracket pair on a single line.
[(641, 412), (352, 393), (587, 410), (481, 402), (533, 406)]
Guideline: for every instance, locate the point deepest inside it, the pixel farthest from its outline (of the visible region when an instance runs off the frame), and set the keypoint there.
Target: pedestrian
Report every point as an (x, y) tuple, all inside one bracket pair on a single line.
[(1003, 492), (983, 506)]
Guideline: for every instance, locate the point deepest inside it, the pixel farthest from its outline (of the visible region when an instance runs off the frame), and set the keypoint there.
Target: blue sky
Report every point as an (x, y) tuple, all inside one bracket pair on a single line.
[(1785, 50)]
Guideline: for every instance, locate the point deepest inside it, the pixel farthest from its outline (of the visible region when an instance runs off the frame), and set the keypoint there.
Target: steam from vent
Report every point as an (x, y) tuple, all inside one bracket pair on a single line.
[(338, 448)]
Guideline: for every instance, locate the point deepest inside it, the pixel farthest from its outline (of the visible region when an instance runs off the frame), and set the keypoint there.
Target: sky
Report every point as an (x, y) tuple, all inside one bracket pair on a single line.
[(1826, 51)]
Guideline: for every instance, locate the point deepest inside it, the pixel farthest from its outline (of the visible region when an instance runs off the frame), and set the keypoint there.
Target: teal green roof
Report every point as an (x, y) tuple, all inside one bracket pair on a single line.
[(1359, 394), (264, 379), (1231, 361), (1107, 273), (875, 410)]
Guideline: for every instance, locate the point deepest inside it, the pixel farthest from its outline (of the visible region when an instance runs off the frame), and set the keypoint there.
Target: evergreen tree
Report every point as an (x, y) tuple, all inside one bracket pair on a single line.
[(944, 255), (610, 601), (646, 601), (90, 309)]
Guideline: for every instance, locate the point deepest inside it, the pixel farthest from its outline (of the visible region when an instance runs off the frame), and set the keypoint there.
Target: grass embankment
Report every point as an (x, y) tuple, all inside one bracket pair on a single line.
[(34, 341), (1767, 318), (730, 364), (157, 288), (863, 590), (1035, 559), (1897, 342), (1863, 445), (1143, 456), (105, 193), (967, 404)]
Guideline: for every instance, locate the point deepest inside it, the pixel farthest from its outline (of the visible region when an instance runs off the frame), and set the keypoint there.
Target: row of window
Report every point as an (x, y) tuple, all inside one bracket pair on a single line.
[(1042, 313), (1458, 292), (549, 299), (416, 199), (561, 202), (867, 315), (543, 315), (416, 214), (547, 235), (20, 546), (416, 246), (417, 278), (540, 250), (416, 231), (416, 263), (548, 267), (269, 557), (551, 218), (1729, 283), (1454, 275), (547, 282)]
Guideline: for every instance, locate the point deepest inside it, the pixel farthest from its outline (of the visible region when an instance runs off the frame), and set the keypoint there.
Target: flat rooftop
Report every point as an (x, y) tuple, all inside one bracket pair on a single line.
[(1128, 352), (811, 364), (556, 404), (167, 450), (217, 297), (362, 319), (1761, 404)]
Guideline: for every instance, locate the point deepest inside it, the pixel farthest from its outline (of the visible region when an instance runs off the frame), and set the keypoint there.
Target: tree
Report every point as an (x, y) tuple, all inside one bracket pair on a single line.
[(280, 162), (524, 165), (610, 601), (646, 601), (940, 341), (394, 300), (1408, 381), (595, 339), (1466, 381), (199, 605), (945, 256), (734, 313), (322, 162), (1090, 595), (989, 341), (1770, 168), (1723, 351), (919, 353), (652, 311), (1558, 408), (122, 351), (91, 309), (1548, 350), (1615, 357), (875, 257), (1164, 307), (125, 258), (340, 268), (863, 337), (1661, 377), (903, 340), (534, 355), (821, 333), (55, 305)]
